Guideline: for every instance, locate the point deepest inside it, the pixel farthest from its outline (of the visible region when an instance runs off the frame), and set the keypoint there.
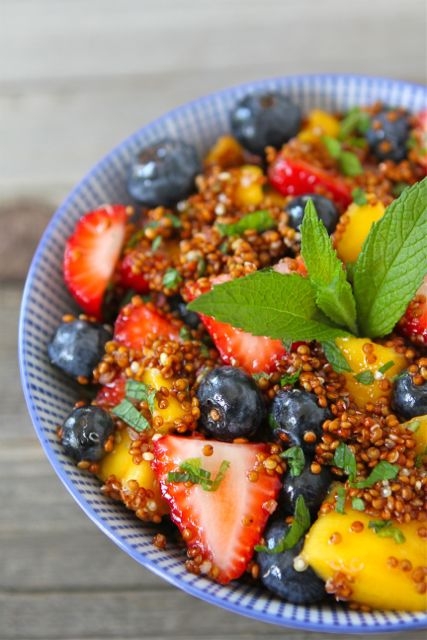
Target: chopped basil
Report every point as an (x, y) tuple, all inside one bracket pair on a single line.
[(191, 471), (365, 377), (257, 220), (340, 500), (358, 504), (290, 378), (382, 471), (171, 278), (345, 459), (140, 391), (348, 162), (386, 366), (359, 196), (300, 524), (296, 460), (127, 412), (386, 529), (355, 121), (156, 243)]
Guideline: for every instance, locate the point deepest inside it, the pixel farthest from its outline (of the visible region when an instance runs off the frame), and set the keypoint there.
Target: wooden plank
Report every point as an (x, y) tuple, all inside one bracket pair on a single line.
[(101, 38), (118, 614)]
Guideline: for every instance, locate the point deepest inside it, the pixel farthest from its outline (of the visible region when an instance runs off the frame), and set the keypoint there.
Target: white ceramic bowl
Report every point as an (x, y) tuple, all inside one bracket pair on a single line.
[(45, 300)]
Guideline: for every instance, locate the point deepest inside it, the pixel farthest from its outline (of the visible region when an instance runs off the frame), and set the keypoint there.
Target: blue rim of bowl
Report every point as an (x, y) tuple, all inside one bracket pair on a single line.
[(140, 557)]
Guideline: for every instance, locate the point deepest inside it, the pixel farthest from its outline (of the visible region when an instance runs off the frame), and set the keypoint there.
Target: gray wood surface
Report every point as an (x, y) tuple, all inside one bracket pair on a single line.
[(76, 76)]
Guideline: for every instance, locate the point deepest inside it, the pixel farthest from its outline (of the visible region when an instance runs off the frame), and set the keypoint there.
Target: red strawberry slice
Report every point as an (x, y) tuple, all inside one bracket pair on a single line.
[(298, 177), (224, 524), (137, 320), (129, 275), (112, 393), (91, 253), (254, 354), (414, 322)]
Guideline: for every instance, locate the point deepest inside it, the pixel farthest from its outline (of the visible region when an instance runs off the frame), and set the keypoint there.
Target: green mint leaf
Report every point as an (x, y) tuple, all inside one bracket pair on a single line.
[(358, 504), (349, 164), (290, 378), (359, 196), (267, 303), (388, 365), (355, 121), (300, 524), (334, 295), (345, 459), (382, 471), (386, 529), (191, 471), (127, 412), (335, 357), (257, 220), (171, 278), (296, 460), (392, 263), (137, 390), (365, 377), (156, 243), (414, 425), (332, 145), (340, 499)]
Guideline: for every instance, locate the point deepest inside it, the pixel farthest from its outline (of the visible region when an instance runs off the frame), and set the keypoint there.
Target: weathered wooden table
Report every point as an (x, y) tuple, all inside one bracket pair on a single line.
[(76, 76)]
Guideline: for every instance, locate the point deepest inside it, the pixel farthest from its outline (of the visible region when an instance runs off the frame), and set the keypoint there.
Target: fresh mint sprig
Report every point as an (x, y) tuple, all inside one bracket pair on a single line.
[(319, 307)]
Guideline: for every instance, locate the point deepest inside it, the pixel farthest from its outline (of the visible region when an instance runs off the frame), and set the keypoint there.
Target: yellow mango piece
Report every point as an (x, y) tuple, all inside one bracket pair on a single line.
[(119, 463), (174, 412), (319, 123), (363, 355), (226, 152), (353, 229), (418, 426), (375, 569), (249, 190)]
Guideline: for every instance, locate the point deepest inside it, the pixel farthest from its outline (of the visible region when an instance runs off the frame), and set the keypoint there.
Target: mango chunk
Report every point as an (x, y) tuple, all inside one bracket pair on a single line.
[(319, 123), (366, 381), (120, 464), (359, 565), (173, 413), (226, 152), (353, 229), (249, 190)]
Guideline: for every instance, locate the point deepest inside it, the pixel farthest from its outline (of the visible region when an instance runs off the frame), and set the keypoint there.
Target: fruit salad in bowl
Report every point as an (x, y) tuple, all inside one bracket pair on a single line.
[(223, 348)]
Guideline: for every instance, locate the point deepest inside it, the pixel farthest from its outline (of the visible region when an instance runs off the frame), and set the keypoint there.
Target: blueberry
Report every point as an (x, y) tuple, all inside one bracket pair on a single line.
[(277, 572), (231, 404), (164, 173), (191, 318), (85, 431), (295, 416), (409, 399), (313, 487), (325, 208), (264, 119), (78, 346), (388, 135)]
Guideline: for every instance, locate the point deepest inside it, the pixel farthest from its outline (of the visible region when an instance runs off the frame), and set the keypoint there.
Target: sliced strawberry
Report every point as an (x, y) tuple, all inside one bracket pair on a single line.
[(138, 319), (414, 322), (254, 354), (91, 253), (221, 525), (129, 275), (298, 177), (111, 394)]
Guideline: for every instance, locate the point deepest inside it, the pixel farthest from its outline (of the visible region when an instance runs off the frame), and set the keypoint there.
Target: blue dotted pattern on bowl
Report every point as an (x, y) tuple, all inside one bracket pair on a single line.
[(50, 396)]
